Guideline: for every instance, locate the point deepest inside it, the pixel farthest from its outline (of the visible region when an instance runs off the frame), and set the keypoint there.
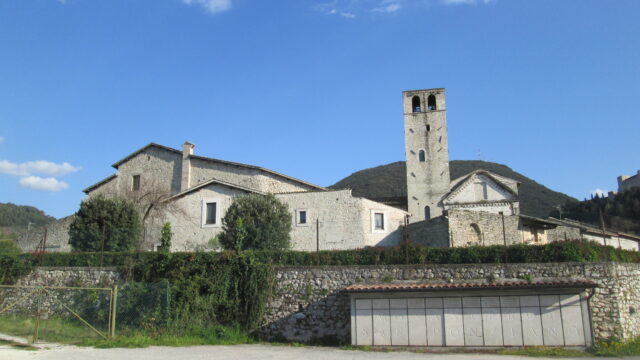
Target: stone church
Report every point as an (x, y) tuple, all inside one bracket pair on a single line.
[(479, 208), (193, 192)]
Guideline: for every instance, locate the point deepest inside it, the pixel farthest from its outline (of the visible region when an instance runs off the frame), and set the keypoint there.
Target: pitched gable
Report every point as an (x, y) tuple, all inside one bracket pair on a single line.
[(478, 187)]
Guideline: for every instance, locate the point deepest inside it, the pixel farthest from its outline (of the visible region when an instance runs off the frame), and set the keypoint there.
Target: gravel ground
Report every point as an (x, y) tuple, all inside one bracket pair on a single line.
[(238, 352)]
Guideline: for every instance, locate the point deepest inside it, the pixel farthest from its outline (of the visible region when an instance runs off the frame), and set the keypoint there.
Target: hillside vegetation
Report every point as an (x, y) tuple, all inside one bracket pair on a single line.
[(621, 212), (14, 220), (389, 181)]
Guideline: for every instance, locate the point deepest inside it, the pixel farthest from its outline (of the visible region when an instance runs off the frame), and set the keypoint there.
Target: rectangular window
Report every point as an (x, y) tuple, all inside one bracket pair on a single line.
[(210, 218), (379, 221), (302, 217), (135, 186)]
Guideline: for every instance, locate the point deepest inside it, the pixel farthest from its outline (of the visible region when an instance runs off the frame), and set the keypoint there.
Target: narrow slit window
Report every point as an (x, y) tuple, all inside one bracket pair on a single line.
[(135, 185), (427, 213), (431, 102), (415, 103), (422, 157)]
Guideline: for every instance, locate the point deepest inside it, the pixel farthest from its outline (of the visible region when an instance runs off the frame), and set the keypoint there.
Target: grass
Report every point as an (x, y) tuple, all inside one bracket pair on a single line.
[(53, 329), (212, 335), (618, 348)]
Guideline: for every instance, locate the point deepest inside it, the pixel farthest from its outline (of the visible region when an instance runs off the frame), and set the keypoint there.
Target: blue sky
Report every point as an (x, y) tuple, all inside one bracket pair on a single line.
[(313, 88)]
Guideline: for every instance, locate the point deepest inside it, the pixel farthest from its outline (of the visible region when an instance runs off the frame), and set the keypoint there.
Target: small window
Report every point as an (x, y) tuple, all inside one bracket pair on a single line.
[(415, 104), (135, 186), (422, 157), (210, 218), (431, 102), (210, 213), (301, 217), (427, 213), (379, 221), (428, 128)]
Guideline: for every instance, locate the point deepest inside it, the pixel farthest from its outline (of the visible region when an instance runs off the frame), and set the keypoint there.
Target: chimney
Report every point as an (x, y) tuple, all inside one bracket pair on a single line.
[(187, 151)]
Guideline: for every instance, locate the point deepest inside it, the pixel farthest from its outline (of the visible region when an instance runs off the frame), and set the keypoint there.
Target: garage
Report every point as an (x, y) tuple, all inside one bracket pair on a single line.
[(471, 315)]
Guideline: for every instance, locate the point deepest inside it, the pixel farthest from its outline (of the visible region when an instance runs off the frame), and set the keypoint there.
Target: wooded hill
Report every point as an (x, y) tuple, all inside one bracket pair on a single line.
[(388, 182), (14, 219), (621, 212)]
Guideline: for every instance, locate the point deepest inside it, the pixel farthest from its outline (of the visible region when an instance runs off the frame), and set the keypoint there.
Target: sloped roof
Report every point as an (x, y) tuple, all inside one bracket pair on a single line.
[(208, 159), (101, 182), (515, 284), (211, 182), (589, 228)]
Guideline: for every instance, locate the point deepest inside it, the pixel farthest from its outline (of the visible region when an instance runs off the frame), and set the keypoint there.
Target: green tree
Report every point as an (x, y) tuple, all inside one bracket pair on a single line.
[(8, 247), (165, 237), (105, 224), (256, 222)]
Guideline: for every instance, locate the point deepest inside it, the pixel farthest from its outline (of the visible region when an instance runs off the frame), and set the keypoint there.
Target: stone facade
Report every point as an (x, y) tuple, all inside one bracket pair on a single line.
[(308, 303), (626, 182), (174, 186), (461, 228), (335, 220), (484, 192), (57, 236)]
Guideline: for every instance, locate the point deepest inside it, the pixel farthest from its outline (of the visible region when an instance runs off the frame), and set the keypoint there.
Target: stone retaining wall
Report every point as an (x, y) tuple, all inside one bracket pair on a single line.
[(308, 304), (51, 300)]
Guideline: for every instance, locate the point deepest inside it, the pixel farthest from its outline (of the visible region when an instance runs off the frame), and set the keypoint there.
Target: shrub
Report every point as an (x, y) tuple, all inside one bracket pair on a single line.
[(165, 237), (8, 247), (105, 224), (256, 222)]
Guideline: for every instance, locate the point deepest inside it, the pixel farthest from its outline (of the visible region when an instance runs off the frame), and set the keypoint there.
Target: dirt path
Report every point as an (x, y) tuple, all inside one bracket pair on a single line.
[(239, 352)]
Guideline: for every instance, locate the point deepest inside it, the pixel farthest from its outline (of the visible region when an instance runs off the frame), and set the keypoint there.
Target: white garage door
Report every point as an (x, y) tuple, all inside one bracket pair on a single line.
[(523, 320)]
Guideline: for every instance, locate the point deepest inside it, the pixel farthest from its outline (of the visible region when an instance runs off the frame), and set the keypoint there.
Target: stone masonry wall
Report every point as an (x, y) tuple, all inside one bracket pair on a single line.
[(431, 233), (490, 226), (308, 303), (50, 301)]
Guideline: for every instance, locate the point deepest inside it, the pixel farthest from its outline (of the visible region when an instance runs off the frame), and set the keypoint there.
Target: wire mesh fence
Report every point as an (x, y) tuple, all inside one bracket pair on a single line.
[(77, 314)]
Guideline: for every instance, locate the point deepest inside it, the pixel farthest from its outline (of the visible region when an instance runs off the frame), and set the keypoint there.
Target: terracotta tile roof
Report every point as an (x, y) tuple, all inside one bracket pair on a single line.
[(516, 284)]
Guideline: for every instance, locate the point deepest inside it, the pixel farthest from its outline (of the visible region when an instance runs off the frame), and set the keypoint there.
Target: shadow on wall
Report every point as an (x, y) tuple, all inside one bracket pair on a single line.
[(325, 321)]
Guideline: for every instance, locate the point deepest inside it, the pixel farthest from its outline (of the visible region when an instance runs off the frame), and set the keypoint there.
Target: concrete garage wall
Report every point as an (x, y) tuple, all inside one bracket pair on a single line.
[(308, 302)]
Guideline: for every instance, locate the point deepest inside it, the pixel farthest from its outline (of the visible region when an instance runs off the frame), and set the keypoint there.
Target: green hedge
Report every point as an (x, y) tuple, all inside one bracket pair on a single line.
[(153, 262)]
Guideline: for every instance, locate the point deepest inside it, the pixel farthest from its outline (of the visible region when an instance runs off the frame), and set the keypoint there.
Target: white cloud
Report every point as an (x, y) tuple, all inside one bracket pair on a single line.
[(36, 167), (43, 184), (599, 192), (348, 15), (387, 6), (212, 6)]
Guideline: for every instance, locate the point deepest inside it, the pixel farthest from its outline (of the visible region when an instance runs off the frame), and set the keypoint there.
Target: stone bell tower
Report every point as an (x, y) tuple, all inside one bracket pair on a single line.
[(427, 152)]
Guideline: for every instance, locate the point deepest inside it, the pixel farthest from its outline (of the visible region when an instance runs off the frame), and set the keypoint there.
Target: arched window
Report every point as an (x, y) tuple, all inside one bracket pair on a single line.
[(427, 213), (431, 102), (415, 104), (422, 157), (475, 235)]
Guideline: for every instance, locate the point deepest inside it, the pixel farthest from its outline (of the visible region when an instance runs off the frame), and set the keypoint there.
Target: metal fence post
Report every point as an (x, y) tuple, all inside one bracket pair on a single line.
[(112, 320)]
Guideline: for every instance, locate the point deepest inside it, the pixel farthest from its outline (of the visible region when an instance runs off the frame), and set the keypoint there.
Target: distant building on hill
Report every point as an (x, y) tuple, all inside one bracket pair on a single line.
[(626, 182)]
